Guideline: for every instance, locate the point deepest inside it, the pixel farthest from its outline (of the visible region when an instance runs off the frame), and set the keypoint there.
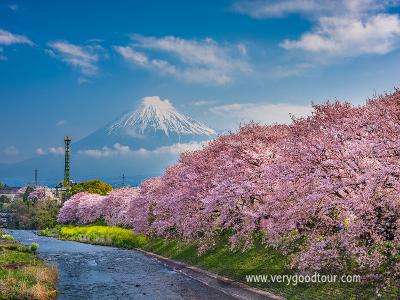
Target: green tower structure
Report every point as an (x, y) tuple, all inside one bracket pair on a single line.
[(67, 181)]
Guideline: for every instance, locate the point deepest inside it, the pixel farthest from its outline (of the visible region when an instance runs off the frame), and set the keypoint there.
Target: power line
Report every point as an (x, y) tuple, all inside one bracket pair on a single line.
[(36, 177)]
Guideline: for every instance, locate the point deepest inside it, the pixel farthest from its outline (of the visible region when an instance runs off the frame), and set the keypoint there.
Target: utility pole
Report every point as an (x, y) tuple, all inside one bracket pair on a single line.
[(123, 179), (67, 141), (36, 177)]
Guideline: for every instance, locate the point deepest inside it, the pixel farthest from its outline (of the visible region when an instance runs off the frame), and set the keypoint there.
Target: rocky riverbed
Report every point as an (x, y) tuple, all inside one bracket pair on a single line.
[(98, 272)]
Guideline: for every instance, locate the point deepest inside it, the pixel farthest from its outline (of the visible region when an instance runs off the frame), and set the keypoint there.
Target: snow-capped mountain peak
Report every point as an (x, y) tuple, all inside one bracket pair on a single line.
[(154, 115)]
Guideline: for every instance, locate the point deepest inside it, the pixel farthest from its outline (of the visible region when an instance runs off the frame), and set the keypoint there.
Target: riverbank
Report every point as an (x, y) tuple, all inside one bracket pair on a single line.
[(22, 274), (93, 272), (221, 260)]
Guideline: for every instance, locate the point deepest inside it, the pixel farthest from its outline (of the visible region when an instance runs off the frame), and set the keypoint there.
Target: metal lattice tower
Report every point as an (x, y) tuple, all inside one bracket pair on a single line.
[(67, 141)]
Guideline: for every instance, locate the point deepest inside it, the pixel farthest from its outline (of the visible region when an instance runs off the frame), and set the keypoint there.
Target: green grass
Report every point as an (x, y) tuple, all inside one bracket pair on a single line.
[(221, 260), (22, 274)]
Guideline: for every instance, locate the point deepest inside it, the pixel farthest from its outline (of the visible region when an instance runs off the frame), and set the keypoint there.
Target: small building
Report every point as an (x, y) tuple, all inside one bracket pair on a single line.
[(9, 192)]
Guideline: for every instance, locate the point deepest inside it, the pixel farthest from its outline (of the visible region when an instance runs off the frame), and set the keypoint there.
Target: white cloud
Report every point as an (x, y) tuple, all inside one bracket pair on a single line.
[(263, 9), (341, 28), (344, 36), (83, 58), (196, 61), (116, 150), (177, 148), (195, 52), (56, 150), (276, 9), (61, 123), (50, 150), (231, 115), (129, 54), (121, 150), (97, 153), (11, 151), (7, 38), (202, 102), (40, 151)]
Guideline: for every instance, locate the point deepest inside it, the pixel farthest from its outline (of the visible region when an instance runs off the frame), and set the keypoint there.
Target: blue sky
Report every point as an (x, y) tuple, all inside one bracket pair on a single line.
[(70, 67)]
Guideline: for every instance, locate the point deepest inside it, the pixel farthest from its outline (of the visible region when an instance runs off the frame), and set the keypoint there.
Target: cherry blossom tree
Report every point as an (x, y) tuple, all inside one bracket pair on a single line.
[(336, 188), (139, 214), (324, 190), (116, 204), (68, 213), (21, 191), (90, 208), (215, 188), (40, 193), (82, 208)]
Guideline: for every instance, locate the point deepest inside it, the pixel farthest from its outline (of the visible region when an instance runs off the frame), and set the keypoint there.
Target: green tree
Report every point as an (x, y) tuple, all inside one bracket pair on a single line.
[(92, 186), (23, 214), (40, 215), (4, 199), (45, 214)]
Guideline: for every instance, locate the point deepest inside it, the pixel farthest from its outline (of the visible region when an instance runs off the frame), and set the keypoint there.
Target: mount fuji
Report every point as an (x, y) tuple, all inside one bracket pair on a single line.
[(140, 144), (155, 123)]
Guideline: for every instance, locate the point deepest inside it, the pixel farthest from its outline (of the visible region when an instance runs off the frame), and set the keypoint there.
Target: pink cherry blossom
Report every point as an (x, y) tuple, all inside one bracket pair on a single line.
[(116, 205), (40, 193), (68, 213), (21, 191), (328, 183)]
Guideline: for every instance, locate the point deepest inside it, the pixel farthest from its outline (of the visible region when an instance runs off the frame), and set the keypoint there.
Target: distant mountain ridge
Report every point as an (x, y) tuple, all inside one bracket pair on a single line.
[(153, 124)]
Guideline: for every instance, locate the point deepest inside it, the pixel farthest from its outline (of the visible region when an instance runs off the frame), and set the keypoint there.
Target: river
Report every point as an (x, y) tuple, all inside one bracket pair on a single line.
[(98, 272)]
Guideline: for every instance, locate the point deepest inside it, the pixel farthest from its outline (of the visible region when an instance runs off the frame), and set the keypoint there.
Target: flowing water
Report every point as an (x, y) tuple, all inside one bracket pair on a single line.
[(98, 272)]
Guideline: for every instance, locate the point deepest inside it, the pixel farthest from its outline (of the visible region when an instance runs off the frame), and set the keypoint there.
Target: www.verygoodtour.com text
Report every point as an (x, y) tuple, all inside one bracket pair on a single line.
[(295, 279)]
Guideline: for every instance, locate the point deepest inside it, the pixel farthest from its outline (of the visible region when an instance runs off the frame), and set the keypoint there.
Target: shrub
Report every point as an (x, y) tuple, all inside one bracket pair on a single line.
[(92, 186), (39, 215), (34, 247)]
